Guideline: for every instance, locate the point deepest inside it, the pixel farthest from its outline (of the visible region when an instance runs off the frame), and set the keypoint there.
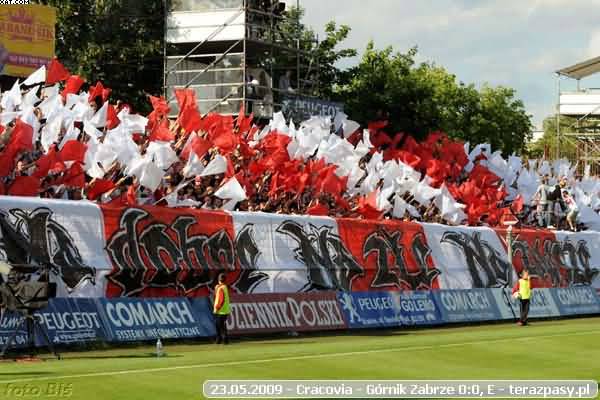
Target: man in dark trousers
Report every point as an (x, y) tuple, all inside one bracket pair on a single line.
[(522, 291), (221, 310)]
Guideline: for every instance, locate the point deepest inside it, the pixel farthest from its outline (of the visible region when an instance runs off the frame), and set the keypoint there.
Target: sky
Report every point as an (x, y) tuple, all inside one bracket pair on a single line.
[(515, 43)]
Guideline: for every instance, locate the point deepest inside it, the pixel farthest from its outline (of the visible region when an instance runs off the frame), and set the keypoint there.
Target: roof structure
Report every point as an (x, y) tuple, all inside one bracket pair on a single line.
[(582, 69)]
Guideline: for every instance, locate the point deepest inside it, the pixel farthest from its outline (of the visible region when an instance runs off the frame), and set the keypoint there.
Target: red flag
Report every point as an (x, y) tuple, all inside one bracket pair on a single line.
[(404, 156), (190, 119), (480, 157), (95, 91), (197, 145), (185, 98), (99, 90), (25, 186), (318, 209), (72, 85), (274, 185), (49, 162), (119, 201), (367, 206), (438, 171), (21, 138), (73, 150), (517, 204), (131, 196), (7, 162), (112, 121), (99, 187), (106, 93), (56, 72), (332, 184), (226, 142), (159, 104), (74, 177), (243, 123), (161, 132), (230, 172)]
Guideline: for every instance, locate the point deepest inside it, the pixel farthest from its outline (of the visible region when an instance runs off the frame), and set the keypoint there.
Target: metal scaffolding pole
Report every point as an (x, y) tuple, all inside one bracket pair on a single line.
[(558, 118)]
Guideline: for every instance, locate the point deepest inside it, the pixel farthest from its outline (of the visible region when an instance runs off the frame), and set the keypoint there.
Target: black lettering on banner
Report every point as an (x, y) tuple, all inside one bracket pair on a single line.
[(165, 256), (35, 238), (545, 261), (330, 265), (149, 254), (485, 264), (247, 252), (384, 244)]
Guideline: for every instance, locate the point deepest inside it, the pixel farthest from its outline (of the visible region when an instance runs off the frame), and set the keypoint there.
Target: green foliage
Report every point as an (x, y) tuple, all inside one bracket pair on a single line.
[(418, 99), (322, 55), (118, 42), (547, 144)]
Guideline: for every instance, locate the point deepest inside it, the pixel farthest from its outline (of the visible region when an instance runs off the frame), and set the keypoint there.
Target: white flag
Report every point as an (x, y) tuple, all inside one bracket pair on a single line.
[(71, 134), (151, 176), (38, 76), (399, 207), (231, 190), (51, 131), (91, 130), (193, 167), (217, 165), (30, 98), (12, 98), (99, 119), (163, 154)]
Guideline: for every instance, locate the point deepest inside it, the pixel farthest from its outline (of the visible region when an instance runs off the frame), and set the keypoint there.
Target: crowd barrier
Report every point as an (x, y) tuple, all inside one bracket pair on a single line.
[(81, 320)]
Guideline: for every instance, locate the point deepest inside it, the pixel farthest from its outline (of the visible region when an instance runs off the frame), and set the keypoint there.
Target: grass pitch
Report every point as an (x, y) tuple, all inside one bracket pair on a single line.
[(564, 349)]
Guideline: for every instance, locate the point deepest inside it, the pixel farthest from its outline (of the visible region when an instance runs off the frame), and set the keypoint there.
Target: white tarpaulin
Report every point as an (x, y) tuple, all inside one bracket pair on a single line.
[(67, 235)]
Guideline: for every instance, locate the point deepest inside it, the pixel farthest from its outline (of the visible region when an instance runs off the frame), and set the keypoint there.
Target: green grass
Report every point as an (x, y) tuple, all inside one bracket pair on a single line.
[(565, 349)]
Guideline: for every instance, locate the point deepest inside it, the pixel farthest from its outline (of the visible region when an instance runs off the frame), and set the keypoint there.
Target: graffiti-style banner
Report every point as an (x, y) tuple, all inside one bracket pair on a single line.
[(388, 256), (104, 251), (162, 252), (66, 236), (261, 313)]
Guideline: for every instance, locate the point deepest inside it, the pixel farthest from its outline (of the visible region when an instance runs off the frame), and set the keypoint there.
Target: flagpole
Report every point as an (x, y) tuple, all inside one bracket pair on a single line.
[(177, 189)]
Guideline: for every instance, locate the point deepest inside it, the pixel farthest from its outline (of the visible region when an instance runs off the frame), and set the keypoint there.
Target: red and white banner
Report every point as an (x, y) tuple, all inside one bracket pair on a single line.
[(261, 313), (97, 251), (386, 255), (164, 252), (468, 257)]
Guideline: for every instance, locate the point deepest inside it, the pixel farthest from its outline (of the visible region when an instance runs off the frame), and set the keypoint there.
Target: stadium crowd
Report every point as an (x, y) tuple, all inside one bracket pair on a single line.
[(58, 141)]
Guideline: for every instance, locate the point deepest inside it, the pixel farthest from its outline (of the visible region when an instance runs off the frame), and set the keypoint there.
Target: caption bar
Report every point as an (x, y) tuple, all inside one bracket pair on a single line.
[(401, 389)]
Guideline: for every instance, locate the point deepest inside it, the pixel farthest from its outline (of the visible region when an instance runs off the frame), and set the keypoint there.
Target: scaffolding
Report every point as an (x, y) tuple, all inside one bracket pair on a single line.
[(582, 106), (237, 52)]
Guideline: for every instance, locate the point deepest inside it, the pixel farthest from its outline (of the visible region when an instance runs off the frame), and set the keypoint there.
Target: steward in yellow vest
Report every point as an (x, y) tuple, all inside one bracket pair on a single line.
[(221, 310), (522, 291)]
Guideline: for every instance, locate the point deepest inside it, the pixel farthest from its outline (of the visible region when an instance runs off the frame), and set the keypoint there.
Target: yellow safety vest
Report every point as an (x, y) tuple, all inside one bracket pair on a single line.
[(224, 310), (524, 289)]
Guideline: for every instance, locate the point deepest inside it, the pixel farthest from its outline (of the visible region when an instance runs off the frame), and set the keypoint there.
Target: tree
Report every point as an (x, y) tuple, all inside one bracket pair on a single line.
[(119, 42), (545, 147), (324, 54), (418, 99)]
